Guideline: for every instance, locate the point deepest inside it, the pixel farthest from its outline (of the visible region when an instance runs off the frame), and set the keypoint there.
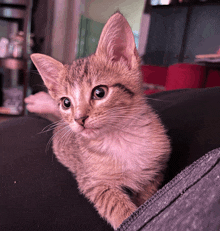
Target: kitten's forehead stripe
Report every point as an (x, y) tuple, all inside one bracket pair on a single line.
[(86, 72), (125, 89), (79, 70), (86, 67)]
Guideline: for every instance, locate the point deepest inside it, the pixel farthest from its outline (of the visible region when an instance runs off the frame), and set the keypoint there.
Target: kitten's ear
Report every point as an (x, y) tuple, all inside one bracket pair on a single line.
[(117, 41), (49, 70)]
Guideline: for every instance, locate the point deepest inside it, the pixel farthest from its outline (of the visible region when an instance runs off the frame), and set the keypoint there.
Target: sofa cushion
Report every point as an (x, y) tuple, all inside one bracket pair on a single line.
[(154, 74), (185, 75)]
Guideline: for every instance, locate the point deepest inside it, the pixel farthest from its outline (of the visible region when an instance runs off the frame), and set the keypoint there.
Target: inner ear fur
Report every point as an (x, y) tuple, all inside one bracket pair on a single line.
[(117, 41), (49, 70)]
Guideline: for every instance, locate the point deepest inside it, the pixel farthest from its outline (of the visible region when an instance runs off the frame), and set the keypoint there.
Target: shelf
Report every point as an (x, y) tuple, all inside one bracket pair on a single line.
[(12, 63), (184, 4), (18, 11), (9, 111), (11, 13), (14, 2)]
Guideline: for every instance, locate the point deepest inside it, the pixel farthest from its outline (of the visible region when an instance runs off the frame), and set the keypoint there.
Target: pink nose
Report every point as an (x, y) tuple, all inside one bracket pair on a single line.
[(81, 120)]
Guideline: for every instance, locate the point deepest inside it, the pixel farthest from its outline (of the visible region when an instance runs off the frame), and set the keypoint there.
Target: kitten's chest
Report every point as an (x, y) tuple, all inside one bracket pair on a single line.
[(120, 149), (114, 152)]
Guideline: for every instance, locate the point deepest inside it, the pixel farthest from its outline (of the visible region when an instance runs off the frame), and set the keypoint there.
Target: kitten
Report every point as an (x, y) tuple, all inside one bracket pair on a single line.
[(109, 138)]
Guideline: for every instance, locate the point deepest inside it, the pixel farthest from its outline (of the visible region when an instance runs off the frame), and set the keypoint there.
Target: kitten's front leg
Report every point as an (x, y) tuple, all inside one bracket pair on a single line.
[(112, 204)]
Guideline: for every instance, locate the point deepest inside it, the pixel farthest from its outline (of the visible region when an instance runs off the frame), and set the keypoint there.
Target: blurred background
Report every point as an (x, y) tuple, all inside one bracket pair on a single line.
[(166, 32)]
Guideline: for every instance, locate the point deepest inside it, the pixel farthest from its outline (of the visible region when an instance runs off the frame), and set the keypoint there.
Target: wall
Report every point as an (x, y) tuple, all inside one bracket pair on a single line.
[(101, 10), (204, 31), (167, 28), (65, 29), (67, 18)]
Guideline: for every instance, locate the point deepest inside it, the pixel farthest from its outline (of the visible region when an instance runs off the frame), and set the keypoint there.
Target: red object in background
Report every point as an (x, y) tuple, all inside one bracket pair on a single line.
[(213, 79), (218, 51), (179, 76), (149, 92), (184, 75), (154, 74)]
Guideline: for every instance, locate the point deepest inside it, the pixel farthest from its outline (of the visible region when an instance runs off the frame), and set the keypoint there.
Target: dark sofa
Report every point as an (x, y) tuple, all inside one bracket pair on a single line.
[(38, 193)]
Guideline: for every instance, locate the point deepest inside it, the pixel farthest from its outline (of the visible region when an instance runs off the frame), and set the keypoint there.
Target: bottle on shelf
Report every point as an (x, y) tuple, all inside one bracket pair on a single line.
[(13, 88)]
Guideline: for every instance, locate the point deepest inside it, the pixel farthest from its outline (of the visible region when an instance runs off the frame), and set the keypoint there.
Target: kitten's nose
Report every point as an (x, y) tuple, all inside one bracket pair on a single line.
[(81, 120)]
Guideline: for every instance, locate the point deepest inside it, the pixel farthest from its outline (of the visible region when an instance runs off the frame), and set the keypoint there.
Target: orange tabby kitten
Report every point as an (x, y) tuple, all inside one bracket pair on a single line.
[(109, 138)]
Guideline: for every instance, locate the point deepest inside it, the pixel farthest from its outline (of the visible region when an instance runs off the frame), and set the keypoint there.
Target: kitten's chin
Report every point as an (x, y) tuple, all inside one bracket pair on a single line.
[(89, 133)]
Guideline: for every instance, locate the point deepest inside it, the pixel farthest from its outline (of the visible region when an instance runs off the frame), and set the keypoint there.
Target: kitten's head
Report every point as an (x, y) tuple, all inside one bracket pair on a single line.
[(98, 93)]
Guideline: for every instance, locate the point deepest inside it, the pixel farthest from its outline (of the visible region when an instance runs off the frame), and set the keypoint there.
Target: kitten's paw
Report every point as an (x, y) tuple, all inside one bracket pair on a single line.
[(122, 213), (42, 104), (112, 204)]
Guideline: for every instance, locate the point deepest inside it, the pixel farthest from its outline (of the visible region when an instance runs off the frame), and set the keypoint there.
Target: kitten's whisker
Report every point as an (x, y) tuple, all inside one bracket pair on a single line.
[(126, 132), (51, 139), (149, 98), (114, 118), (50, 127), (126, 111), (66, 135), (128, 117), (52, 124), (48, 144)]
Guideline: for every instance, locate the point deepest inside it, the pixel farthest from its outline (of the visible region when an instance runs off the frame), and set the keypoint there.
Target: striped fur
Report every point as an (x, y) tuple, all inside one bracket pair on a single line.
[(115, 145)]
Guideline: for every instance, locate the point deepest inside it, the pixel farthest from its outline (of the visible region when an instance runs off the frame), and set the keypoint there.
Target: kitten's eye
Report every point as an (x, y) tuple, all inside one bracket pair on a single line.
[(66, 104), (99, 92)]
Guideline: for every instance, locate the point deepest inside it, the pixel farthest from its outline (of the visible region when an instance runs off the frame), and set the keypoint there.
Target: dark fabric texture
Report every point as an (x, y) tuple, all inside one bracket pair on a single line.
[(191, 201), (191, 117), (38, 193)]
